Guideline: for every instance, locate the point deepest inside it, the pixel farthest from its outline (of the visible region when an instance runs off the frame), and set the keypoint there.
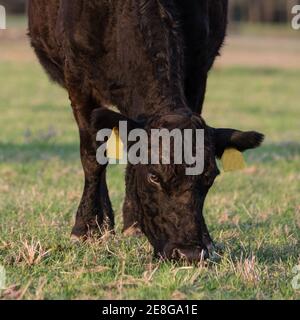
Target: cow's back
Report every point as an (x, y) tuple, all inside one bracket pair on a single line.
[(45, 32), (118, 52), (57, 25)]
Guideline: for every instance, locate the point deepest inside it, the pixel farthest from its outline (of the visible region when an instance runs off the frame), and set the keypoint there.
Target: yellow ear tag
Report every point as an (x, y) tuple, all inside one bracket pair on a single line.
[(233, 160), (114, 147)]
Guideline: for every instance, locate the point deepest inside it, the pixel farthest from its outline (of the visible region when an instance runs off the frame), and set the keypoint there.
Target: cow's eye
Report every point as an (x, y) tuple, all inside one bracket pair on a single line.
[(153, 179)]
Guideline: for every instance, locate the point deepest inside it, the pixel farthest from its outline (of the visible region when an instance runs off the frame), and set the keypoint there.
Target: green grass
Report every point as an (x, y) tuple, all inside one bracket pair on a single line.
[(253, 214)]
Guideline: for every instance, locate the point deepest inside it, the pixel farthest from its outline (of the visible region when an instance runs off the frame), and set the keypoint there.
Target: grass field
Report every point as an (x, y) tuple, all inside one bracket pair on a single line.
[(254, 214)]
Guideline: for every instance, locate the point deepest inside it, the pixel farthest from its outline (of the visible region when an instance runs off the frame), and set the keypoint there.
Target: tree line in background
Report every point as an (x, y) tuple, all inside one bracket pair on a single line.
[(271, 11), (14, 6)]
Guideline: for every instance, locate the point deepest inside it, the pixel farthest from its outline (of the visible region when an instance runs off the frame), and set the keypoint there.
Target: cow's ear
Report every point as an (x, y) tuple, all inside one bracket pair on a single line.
[(104, 118), (230, 138)]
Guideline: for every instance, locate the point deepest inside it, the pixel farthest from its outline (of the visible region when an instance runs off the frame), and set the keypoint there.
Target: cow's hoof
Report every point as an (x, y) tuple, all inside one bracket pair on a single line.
[(132, 231), (81, 233), (76, 240)]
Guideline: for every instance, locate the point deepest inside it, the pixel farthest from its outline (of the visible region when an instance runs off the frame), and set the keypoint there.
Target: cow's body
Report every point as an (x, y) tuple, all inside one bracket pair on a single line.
[(150, 58), (119, 52)]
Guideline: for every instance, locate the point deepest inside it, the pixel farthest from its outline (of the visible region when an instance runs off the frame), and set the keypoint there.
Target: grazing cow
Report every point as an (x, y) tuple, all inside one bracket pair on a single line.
[(150, 58)]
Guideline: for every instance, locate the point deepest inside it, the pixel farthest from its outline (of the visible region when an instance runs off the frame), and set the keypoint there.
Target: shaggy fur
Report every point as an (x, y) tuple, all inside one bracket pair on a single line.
[(150, 58)]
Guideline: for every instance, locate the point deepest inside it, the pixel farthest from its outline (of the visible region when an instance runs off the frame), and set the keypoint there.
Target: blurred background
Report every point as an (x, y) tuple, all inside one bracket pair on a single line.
[(256, 26), (271, 11)]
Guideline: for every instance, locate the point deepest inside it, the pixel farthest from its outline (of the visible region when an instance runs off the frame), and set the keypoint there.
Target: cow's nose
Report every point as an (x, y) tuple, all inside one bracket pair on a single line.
[(188, 253)]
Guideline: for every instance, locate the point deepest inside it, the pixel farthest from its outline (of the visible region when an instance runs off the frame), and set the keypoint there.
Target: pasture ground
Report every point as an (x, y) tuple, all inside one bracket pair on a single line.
[(254, 214)]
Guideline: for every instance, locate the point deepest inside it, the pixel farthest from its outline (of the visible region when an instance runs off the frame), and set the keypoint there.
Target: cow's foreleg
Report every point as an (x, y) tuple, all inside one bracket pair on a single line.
[(130, 219), (130, 210), (95, 203), (106, 204), (206, 238), (89, 217)]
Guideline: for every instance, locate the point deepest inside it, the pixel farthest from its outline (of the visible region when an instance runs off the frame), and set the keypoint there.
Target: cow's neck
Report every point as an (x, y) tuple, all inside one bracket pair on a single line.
[(163, 42)]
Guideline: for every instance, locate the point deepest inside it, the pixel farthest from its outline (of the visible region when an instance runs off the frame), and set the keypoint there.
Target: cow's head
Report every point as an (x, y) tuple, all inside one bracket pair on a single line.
[(166, 201)]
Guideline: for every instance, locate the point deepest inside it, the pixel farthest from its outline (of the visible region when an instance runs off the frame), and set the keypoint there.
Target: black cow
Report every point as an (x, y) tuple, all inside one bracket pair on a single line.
[(150, 58)]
